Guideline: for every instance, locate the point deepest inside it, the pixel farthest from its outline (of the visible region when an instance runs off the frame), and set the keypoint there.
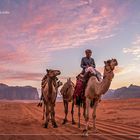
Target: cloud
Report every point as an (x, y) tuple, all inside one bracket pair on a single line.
[(134, 49), (16, 55), (71, 24), (35, 29), (119, 70), (9, 75), (25, 76), (43, 27), (60, 25)]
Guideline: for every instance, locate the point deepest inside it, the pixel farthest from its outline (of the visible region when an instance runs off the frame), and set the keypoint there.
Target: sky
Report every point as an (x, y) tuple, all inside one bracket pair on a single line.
[(36, 35)]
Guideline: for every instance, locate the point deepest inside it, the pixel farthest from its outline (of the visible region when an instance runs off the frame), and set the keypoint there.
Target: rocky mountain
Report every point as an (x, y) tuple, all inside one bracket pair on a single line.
[(18, 93), (132, 91)]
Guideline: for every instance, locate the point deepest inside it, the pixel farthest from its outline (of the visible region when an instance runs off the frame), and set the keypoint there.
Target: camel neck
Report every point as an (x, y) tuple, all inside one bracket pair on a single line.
[(50, 85), (105, 84)]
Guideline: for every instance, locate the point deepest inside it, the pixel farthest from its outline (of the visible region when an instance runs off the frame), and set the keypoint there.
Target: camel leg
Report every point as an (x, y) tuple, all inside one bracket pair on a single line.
[(53, 116), (43, 111), (47, 116), (85, 131), (94, 115), (72, 112), (66, 111), (84, 109)]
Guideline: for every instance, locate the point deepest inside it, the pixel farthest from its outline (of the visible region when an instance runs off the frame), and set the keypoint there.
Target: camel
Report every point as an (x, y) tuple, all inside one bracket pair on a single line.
[(67, 93), (96, 89), (49, 92)]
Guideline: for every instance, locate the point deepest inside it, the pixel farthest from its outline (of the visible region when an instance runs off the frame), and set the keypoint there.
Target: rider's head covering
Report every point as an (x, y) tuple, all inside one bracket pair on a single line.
[(88, 51)]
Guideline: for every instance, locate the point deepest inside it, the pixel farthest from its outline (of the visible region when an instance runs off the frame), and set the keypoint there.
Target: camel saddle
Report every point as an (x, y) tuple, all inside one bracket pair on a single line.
[(79, 92)]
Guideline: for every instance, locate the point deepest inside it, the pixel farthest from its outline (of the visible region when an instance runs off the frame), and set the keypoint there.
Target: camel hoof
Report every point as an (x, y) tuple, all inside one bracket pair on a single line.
[(39, 105), (64, 121), (85, 133), (73, 122), (55, 125), (95, 130), (46, 125)]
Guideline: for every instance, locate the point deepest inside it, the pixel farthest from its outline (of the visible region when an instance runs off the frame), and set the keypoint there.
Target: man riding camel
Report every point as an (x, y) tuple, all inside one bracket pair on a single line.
[(87, 61), (88, 65)]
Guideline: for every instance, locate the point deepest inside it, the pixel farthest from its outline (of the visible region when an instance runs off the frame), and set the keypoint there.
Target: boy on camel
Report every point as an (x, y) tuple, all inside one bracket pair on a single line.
[(88, 65)]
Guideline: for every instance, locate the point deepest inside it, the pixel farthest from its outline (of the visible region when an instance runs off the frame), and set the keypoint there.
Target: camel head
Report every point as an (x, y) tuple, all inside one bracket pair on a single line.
[(69, 82), (53, 73), (113, 63), (58, 84), (110, 66)]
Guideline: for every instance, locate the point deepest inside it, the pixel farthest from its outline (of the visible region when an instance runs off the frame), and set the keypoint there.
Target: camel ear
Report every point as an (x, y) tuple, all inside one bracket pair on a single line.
[(47, 70), (116, 62), (105, 62)]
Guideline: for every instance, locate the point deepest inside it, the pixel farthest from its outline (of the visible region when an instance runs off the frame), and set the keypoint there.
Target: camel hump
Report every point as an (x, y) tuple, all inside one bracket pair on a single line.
[(93, 78)]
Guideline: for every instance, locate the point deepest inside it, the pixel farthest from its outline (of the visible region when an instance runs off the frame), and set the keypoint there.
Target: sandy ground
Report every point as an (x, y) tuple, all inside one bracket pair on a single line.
[(116, 120)]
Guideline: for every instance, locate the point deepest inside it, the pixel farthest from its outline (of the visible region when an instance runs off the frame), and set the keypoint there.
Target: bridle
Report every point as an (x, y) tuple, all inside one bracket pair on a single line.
[(111, 69)]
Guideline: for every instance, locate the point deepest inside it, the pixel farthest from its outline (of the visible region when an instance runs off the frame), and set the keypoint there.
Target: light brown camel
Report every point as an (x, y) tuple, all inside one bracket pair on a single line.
[(49, 96), (67, 93), (96, 89)]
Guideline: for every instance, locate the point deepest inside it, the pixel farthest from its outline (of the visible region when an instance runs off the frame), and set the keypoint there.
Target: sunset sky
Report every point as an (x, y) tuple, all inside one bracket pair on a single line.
[(40, 34)]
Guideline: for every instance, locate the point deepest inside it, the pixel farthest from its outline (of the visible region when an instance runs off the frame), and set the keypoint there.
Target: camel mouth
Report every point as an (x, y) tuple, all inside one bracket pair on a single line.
[(115, 61)]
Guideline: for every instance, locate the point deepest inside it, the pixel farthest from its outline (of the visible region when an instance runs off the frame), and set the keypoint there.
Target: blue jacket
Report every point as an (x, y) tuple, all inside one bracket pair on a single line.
[(87, 61)]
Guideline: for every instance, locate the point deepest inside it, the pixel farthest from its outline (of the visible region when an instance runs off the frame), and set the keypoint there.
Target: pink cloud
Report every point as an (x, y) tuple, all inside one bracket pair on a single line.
[(26, 76), (70, 25), (9, 75), (17, 55), (83, 28), (27, 43)]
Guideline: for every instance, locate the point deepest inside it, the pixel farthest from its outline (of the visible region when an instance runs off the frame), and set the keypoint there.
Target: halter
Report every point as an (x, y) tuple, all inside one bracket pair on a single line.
[(110, 68), (109, 71)]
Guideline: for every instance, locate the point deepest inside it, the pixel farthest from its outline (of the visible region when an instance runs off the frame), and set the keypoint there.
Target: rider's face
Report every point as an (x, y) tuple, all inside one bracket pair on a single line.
[(88, 54)]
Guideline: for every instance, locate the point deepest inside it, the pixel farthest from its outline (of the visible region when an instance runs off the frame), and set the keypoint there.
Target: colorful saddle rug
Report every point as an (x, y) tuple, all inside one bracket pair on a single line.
[(79, 96)]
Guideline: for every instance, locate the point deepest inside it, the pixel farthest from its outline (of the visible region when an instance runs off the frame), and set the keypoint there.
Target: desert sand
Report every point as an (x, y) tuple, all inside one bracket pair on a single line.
[(116, 120)]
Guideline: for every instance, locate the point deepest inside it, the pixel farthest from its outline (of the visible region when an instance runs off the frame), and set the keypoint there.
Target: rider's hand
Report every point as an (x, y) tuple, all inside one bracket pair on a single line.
[(88, 66)]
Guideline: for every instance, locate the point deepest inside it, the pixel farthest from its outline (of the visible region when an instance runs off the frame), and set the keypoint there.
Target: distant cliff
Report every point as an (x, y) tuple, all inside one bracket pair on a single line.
[(18, 93), (132, 91)]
